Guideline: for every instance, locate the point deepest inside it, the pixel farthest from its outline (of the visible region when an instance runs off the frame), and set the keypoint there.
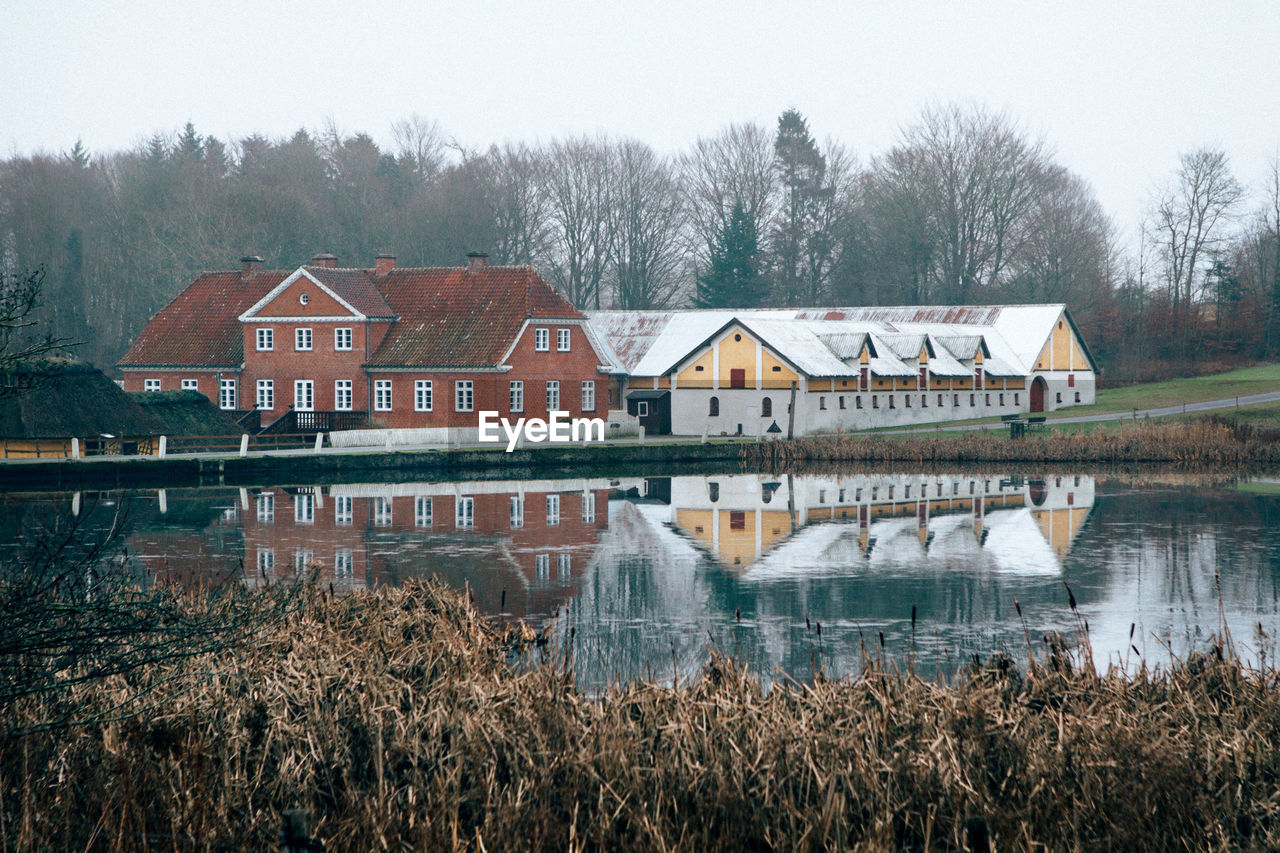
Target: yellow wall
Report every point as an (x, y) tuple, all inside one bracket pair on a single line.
[(691, 377), (737, 355), (1062, 351), (780, 378)]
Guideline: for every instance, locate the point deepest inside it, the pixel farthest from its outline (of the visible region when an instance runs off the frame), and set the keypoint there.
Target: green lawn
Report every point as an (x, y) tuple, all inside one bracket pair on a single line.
[(1154, 395)]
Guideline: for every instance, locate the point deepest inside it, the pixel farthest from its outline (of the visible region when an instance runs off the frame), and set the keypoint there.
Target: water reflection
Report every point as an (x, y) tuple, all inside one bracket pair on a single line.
[(651, 572)]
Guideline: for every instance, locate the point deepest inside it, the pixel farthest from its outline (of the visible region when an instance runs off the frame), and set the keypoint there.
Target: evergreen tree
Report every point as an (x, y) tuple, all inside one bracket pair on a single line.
[(801, 169), (733, 279)]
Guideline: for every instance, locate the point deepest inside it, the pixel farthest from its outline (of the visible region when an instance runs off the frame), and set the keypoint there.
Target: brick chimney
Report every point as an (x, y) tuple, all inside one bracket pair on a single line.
[(325, 260), (384, 264), (477, 261), (250, 265)]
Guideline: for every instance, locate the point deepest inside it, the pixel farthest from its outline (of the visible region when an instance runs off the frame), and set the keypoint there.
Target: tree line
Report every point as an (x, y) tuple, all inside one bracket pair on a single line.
[(966, 207)]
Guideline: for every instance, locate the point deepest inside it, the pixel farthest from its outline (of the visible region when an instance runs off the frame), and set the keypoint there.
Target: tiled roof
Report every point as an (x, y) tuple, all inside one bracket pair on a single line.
[(199, 327), (355, 288), (462, 318)]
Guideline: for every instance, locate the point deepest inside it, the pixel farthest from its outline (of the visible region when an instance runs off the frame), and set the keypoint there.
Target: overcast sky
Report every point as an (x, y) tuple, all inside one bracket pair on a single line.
[(1117, 88)]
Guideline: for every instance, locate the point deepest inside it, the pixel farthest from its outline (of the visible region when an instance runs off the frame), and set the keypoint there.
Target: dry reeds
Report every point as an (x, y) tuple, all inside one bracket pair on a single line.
[(1204, 442), (394, 721)]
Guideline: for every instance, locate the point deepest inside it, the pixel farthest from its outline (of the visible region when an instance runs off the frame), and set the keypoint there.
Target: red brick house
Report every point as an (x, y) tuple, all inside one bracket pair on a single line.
[(329, 348)]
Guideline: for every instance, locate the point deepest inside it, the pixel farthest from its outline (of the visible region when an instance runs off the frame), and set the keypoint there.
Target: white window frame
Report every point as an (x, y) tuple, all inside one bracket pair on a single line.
[(542, 340), (343, 564), (266, 339), (227, 395), (265, 398), (464, 395), (342, 395), (266, 508), (564, 564), (542, 566), (515, 395), (304, 509), (150, 385), (343, 510), (191, 385), (464, 512), (589, 507), (382, 511), (302, 559), (588, 395), (563, 340), (382, 395), (302, 339), (423, 511), (342, 338), (267, 562), (516, 506), (423, 395), (553, 510), (304, 395), (553, 395)]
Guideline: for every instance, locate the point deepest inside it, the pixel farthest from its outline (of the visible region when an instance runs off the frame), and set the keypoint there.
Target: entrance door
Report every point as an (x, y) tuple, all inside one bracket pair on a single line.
[(1037, 395), (737, 377)]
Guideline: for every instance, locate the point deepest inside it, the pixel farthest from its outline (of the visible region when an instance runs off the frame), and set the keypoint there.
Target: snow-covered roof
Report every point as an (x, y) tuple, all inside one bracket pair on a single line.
[(825, 342)]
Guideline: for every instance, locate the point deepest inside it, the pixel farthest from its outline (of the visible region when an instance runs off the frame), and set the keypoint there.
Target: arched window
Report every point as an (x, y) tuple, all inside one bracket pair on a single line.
[(714, 409), (766, 407)]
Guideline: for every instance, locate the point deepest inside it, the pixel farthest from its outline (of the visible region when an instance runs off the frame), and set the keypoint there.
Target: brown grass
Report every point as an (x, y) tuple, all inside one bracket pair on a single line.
[(393, 720), (1210, 441)]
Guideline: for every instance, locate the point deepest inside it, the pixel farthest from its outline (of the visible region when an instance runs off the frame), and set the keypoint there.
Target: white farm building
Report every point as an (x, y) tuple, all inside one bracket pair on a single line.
[(812, 370)]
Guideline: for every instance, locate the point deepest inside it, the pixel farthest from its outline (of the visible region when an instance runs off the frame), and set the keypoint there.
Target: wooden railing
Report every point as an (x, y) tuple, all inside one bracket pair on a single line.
[(313, 422)]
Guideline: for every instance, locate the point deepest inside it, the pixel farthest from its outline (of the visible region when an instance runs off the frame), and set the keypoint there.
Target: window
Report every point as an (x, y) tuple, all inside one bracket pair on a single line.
[(553, 395), (266, 398), (517, 511), (588, 507), (924, 401), (906, 399), (304, 509), (191, 385), (266, 339), (842, 401), (1002, 399), (151, 385), (822, 402), (382, 395), (857, 402), (302, 560), (423, 511), (542, 340), (422, 395), (1015, 398), (589, 395), (267, 508), (973, 399), (1058, 397), (382, 512), (955, 399), (342, 395), (988, 397), (303, 395), (227, 394), (642, 409), (939, 399), (464, 513), (553, 510), (302, 339), (342, 564), (515, 395), (1077, 396), (875, 401), (713, 491), (267, 562), (713, 408), (562, 565), (891, 401), (343, 514), (463, 395), (342, 339), (766, 407), (542, 566), (562, 340)]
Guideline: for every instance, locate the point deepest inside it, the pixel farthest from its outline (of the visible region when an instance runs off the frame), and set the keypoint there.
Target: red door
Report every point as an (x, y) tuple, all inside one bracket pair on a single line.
[(1037, 395), (737, 377)]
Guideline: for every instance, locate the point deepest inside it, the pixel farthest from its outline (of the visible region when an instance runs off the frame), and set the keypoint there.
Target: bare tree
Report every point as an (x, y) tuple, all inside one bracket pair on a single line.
[(645, 217), (519, 205), (577, 181), (421, 144), (734, 167), (1188, 222)]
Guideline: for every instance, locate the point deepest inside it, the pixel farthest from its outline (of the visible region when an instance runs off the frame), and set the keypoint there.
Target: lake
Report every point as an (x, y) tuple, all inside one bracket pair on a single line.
[(786, 573)]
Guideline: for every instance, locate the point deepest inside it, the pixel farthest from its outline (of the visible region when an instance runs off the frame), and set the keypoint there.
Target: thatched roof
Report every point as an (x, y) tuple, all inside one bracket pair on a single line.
[(62, 399), (186, 413)]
